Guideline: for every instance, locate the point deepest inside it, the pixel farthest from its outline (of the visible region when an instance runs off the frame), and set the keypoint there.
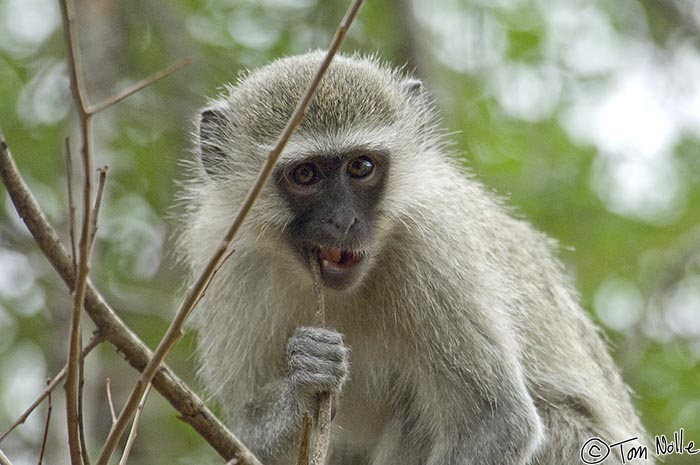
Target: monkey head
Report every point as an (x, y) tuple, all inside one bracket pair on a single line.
[(335, 183)]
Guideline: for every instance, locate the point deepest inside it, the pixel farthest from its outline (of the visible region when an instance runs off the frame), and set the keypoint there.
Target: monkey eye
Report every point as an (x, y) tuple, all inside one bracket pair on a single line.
[(305, 174), (360, 167)]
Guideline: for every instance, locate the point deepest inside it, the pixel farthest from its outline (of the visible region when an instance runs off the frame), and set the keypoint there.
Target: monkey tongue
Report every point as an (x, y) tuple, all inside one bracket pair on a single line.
[(337, 259), (330, 254)]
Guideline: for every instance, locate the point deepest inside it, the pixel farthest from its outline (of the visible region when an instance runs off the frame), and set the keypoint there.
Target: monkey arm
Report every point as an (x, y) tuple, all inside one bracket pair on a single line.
[(269, 423), (484, 412), (504, 429)]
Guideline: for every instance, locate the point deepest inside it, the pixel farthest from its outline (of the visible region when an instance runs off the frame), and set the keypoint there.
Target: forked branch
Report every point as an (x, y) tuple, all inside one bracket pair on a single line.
[(111, 327)]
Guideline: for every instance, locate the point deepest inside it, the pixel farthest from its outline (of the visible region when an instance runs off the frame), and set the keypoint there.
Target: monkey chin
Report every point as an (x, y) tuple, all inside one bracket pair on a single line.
[(340, 269)]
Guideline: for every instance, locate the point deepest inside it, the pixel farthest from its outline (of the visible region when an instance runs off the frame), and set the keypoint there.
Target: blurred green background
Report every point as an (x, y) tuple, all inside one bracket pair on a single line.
[(585, 115)]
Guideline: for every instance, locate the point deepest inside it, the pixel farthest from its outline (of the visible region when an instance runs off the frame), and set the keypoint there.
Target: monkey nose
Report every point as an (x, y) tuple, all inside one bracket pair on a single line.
[(342, 220)]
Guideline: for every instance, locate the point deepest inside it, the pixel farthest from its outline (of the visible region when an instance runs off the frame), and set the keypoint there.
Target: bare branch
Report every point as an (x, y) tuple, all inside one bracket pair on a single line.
[(112, 413), (3, 459), (201, 296), (304, 436), (111, 327), (80, 98), (134, 428), (81, 410), (126, 93), (174, 331), (98, 201), (71, 203), (55, 381), (73, 56), (323, 413), (45, 436)]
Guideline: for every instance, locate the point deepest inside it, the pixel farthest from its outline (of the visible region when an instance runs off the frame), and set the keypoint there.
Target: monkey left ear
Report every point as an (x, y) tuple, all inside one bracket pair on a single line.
[(212, 127), (411, 85)]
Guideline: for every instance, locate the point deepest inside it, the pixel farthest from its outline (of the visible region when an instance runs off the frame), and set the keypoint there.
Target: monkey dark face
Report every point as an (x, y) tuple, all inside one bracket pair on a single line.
[(334, 199)]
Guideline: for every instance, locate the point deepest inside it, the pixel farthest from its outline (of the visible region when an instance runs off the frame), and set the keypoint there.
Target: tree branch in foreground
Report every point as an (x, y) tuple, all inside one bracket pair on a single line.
[(109, 326), (194, 293)]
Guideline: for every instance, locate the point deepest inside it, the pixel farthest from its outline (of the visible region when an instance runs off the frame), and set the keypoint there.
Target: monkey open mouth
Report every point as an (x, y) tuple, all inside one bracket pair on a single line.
[(335, 259)]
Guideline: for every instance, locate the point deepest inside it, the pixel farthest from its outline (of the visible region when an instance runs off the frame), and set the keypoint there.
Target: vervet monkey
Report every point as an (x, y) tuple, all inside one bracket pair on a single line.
[(453, 335)]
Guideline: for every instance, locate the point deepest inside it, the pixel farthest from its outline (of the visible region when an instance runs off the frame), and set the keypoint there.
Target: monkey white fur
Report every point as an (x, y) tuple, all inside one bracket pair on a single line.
[(453, 336)]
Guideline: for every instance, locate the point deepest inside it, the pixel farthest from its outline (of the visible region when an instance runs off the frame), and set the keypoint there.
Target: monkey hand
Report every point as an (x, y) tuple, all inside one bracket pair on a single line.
[(318, 363)]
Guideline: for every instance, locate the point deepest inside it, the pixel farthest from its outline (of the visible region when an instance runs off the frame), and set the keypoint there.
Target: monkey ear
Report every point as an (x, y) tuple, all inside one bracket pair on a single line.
[(212, 130), (411, 85)]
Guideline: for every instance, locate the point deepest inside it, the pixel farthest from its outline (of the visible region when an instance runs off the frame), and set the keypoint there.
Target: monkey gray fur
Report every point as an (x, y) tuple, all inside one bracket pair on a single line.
[(456, 337)]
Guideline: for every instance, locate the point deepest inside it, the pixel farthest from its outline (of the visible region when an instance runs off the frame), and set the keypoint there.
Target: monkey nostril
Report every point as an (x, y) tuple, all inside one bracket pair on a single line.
[(342, 221)]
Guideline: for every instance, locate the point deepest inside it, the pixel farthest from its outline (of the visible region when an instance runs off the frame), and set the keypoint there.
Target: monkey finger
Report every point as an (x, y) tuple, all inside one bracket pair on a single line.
[(313, 333), (307, 364)]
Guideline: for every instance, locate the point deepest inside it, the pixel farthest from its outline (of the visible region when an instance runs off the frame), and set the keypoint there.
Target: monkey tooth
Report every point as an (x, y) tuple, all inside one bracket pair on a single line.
[(338, 259)]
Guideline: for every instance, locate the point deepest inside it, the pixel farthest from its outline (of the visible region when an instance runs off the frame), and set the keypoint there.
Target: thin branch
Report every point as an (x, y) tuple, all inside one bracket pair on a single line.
[(110, 402), (323, 413), (74, 63), (134, 428), (201, 296), (174, 331), (112, 328), (71, 203), (75, 73), (3, 459), (55, 381), (81, 410), (98, 201), (45, 436), (304, 436), (126, 93)]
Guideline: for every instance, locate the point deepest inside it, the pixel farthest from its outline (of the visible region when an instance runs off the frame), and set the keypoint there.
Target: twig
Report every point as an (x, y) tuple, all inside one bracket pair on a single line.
[(55, 381), (134, 428), (81, 104), (85, 114), (45, 436), (3, 459), (126, 93), (112, 328), (60, 376), (71, 203), (98, 201), (201, 296), (174, 331), (305, 435), (110, 402), (323, 427), (81, 410), (318, 290)]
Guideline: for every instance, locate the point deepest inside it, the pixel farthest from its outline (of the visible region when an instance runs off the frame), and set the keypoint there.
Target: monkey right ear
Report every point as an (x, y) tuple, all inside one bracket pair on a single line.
[(212, 130), (411, 85)]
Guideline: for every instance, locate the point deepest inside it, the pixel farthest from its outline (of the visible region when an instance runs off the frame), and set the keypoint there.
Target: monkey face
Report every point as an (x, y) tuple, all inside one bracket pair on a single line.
[(333, 199)]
